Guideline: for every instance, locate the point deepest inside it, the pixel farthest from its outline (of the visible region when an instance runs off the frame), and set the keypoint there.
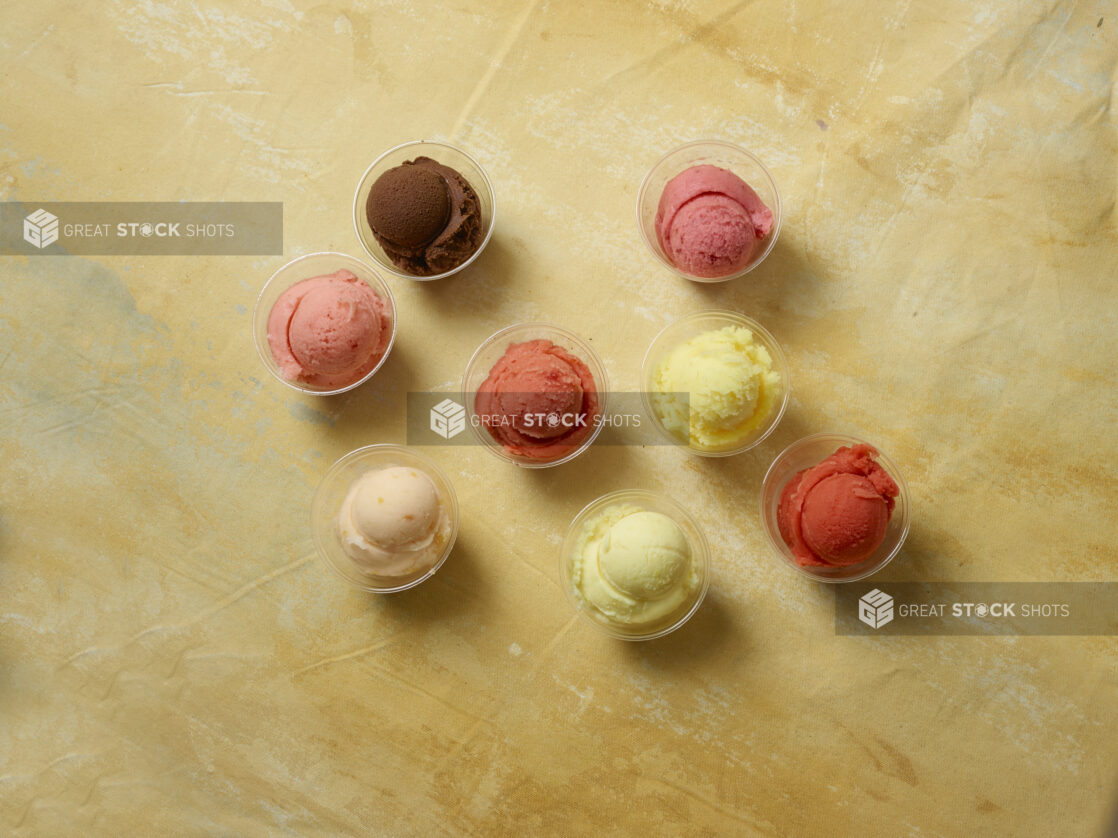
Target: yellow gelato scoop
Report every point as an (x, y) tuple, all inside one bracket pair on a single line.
[(715, 390), (632, 566), (644, 554)]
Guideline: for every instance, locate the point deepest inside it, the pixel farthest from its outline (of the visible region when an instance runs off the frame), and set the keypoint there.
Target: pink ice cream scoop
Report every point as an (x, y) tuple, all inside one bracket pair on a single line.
[(329, 331), (710, 220)]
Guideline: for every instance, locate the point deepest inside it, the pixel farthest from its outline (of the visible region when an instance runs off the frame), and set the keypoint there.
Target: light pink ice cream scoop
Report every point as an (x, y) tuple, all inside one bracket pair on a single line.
[(709, 220), (329, 331)]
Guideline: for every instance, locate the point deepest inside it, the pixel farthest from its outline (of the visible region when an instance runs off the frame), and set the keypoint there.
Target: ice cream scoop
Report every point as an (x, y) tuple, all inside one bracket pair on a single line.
[(426, 217), (709, 221), (716, 389), (643, 555), (392, 521), (384, 517), (837, 512), (328, 331), (539, 401), (409, 205), (633, 566)]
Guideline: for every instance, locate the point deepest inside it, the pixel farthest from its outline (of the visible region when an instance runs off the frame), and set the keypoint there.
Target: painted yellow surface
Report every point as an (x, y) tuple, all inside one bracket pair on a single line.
[(175, 660)]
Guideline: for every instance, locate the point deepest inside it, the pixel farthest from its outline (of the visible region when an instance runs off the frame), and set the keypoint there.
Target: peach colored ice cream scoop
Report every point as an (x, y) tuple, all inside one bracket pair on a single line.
[(393, 522), (709, 221), (836, 513), (328, 331)]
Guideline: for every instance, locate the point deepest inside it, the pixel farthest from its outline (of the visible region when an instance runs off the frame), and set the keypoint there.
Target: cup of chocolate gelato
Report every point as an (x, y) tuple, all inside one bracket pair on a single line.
[(424, 210)]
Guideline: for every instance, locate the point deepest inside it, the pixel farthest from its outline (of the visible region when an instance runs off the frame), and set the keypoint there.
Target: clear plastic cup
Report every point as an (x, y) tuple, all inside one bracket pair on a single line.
[(700, 556), (687, 327), (305, 267), (332, 491), (493, 348), (716, 153), (446, 154), (809, 452)]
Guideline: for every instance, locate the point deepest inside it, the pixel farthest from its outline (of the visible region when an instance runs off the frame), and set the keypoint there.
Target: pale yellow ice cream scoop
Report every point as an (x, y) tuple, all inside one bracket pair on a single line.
[(644, 554), (392, 521), (633, 566), (715, 390)]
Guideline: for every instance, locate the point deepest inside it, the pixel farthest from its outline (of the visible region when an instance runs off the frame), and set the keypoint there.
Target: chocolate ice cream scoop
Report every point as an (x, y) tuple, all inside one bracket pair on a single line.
[(425, 216), (408, 206)]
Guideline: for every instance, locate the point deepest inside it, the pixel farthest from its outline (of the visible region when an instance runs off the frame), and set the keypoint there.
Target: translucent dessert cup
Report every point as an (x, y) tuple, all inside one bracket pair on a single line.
[(809, 452), (491, 351), (652, 502), (725, 155), (691, 325), (446, 154), (295, 271), (332, 491)]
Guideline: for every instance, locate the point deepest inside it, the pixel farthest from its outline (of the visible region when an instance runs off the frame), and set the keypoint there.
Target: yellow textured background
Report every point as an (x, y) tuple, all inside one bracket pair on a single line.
[(175, 660)]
